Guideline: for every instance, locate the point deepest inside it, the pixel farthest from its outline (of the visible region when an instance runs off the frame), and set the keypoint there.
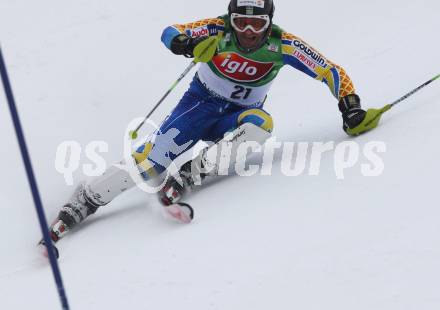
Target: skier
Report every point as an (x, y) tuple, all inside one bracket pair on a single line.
[(227, 94)]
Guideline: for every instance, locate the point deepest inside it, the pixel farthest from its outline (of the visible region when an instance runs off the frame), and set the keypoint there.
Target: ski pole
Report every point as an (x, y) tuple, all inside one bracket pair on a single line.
[(414, 91), (380, 112), (203, 52), (389, 106), (133, 133)]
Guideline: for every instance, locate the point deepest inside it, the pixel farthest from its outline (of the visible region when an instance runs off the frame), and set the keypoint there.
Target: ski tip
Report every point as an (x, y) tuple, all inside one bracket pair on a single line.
[(180, 212), (45, 252)]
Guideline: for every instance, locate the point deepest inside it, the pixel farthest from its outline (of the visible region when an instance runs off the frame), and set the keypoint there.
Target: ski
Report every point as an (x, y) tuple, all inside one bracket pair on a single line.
[(44, 249), (180, 212)]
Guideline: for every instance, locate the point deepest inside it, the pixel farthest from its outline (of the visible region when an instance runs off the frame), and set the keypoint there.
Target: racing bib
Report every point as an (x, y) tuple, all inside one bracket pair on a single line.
[(231, 89)]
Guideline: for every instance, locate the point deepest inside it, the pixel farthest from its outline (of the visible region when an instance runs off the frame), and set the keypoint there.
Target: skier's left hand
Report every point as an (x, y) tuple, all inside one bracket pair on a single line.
[(357, 121)]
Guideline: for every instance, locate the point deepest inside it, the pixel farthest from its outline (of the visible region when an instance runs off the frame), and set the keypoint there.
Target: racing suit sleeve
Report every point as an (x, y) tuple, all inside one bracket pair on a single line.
[(300, 55), (204, 27)]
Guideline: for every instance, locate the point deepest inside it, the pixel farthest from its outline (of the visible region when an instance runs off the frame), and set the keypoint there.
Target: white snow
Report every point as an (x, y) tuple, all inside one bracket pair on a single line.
[(81, 70)]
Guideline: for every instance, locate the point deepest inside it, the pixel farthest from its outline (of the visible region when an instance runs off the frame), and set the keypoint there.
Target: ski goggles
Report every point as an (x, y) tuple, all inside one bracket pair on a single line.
[(256, 23)]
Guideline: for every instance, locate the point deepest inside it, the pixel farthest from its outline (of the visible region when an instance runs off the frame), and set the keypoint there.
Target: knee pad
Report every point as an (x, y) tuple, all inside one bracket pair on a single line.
[(146, 167), (258, 117)]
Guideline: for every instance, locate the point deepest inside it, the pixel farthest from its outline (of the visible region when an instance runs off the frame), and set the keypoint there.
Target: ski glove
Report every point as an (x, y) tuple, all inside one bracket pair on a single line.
[(355, 120), (190, 47)]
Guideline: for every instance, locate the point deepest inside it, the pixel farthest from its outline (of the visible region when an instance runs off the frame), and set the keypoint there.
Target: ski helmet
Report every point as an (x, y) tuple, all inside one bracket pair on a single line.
[(252, 8)]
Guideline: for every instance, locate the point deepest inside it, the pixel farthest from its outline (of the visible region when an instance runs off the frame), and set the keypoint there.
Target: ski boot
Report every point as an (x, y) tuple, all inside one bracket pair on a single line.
[(74, 212), (80, 206), (171, 194)]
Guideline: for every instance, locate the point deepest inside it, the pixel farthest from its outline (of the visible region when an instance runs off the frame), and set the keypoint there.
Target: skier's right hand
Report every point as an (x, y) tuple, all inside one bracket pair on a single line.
[(185, 45)]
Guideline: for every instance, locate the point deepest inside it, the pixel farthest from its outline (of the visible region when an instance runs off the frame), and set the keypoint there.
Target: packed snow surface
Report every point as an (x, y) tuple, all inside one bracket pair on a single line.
[(81, 70)]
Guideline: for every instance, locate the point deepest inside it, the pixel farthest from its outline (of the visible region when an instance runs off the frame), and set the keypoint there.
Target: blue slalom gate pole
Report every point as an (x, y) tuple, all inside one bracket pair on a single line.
[(32, 182)]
